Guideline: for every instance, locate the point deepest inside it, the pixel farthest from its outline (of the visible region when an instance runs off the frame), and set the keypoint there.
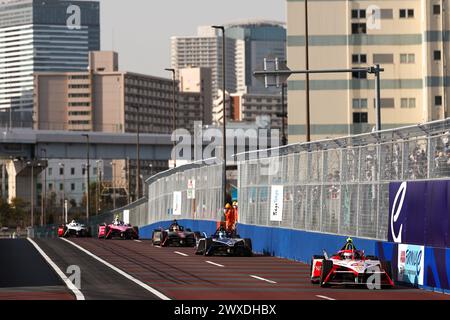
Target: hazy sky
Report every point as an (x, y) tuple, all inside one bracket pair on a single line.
[(141, 29)]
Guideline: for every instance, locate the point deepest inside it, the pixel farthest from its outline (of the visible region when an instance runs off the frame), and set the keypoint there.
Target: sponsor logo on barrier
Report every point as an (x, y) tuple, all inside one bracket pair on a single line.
[(396, 211), (411, 264), (276, 205), (177, 203)]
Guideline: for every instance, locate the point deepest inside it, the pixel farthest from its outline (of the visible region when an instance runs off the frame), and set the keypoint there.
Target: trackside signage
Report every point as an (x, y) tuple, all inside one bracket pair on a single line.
[(411, 264), (276, 204), (419, 213), (177, 203)]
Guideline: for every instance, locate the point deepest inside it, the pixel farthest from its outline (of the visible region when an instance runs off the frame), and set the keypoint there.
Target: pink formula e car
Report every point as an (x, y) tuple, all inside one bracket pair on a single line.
[(118, 229), (351, 267)]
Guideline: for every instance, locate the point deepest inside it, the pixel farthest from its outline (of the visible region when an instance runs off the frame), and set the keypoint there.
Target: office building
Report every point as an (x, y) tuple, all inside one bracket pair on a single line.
[(41, 36), (409, 39)]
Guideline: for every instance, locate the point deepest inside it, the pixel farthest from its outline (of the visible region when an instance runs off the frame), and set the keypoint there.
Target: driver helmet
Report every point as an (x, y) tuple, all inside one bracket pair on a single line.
[(221, 234), (348, 256)]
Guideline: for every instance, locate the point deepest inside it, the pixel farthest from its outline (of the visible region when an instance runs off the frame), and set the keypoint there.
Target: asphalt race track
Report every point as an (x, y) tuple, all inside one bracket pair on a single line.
[(175, 273), (179, 274), (25, 275)]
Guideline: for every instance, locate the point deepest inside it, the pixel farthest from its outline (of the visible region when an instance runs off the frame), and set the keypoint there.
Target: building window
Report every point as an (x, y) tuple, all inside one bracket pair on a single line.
[(359, 103), (383, 58), (72, 171), (61, 171), (387, 103), (438, 101), (437, 55), (436, 9), (358, 14), (360, 117), (359, 28), (408, 103), (359, 58), (359, 75), (50, 171), (406, 13), (61, 187), (72, 186), (407, 58), (50, 186)]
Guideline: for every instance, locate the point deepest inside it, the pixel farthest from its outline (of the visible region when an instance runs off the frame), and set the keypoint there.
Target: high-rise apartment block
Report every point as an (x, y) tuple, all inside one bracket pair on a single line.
[(41, 36), (409, 39)]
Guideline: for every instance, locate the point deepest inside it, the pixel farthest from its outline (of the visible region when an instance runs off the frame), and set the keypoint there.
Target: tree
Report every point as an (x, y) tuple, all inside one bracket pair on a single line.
[(5, 213), (18, 213)]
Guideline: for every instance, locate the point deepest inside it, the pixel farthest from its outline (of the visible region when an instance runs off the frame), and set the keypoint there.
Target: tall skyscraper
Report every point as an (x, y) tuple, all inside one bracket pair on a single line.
[(408, 38), (41, 36), (247, 44), (255, 41)]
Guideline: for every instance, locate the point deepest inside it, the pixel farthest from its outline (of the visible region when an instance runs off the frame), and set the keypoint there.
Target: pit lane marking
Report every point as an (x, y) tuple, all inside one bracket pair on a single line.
[(262, 279), (70, 285), (215, 264), (126, 275), (182, 254), (326, 298)]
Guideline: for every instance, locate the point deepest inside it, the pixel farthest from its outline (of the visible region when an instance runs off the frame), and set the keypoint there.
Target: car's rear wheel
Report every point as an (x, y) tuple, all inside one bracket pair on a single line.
[(248, 247), (327, 266), (107, 235), (208, 245), (315, 257), (387, 267)]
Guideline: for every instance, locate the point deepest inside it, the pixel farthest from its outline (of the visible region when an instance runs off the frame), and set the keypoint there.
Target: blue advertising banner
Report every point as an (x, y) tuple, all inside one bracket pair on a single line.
[(419, 213)]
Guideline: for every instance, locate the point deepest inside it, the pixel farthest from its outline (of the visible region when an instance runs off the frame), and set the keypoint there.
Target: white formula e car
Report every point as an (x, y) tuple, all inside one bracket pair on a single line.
[(74, 229), (351, 267)]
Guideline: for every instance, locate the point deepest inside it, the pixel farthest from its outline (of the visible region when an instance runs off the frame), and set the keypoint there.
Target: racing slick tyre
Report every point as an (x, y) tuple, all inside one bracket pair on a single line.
[(387, 267), (201, 247), (208, 245), (156, 238), (135, 234), (106, 237), (65, 233), (248, 247), (316, 281), (327, 265)]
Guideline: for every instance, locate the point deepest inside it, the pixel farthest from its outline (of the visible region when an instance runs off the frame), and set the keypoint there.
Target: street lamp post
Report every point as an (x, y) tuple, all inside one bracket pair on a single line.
[(224, 130), (44, 197), (88, 176), (174, 112), (62, 165), (308, 107), (114, 184), (31, 163)]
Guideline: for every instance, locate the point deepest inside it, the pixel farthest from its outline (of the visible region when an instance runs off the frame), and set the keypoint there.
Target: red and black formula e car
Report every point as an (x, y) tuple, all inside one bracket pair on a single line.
[(351, 267), (73, 229), (175, 236), (118, 229)]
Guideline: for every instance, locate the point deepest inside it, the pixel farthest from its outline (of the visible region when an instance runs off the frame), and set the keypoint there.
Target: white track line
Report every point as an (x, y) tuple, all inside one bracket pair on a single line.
[(215, 264), (126, 275), (61, 274), (262, 279), (181, 254), (326, 298), (138, 240)]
